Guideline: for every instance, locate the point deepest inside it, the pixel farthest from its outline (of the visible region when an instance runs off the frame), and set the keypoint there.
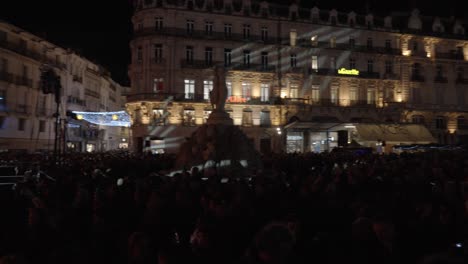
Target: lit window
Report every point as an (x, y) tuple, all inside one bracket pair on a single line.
[(207, 88), (189, 88)]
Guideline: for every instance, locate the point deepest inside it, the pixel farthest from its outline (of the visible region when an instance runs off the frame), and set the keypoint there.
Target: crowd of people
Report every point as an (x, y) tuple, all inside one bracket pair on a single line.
[(299, 208)]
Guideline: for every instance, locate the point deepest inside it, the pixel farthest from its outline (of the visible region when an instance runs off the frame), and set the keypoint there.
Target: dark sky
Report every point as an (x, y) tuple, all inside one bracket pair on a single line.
[(101, 29)]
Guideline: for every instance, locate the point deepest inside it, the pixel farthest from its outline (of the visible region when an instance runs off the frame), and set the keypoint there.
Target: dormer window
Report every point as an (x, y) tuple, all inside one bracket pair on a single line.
[(314, 15), (333, 20), (264, 9), (352, 19), (388, 22), (369, 21), (293, 12), (437, 26)]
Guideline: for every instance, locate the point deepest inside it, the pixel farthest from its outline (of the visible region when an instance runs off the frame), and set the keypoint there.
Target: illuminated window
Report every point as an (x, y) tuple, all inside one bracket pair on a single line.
[(189, 117), (189, 88), (371, 96), (294, 91), (247, 117), (353, 95), (315, 63), (246, 90), (264, 92), (315, 93), (334, 95), (207, 88), (229, 89)]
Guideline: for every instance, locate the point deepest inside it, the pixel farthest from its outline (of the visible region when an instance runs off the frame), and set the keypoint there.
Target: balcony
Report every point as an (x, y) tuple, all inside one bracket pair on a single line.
[(449, 56), (202, 34), (27, 52), (198, 64), (307, 43), (253, 67), (76, 101), (92, 93), (369, 75)]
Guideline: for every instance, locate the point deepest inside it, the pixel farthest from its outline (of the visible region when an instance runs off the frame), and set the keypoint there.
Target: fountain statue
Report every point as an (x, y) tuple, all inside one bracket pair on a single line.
[(218, 141)]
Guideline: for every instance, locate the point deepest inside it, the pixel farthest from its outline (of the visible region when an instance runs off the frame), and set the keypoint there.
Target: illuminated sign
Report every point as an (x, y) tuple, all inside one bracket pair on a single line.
[(348, 72)]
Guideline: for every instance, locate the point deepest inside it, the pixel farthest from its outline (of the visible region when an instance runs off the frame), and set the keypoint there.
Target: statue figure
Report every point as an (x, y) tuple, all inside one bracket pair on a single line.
[(218, 95)]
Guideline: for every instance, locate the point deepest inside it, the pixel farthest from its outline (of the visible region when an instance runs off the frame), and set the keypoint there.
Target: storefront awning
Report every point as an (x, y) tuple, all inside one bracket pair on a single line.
[(395, 133), (318, 126)]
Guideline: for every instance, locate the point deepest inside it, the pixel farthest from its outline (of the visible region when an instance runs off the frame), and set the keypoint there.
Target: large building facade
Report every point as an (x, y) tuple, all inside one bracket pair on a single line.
[(27, 121), (291, 69)]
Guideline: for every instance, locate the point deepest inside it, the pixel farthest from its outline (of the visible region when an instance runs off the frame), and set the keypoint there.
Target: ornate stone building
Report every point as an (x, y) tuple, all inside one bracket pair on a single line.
[(294, 75), (26, 113)]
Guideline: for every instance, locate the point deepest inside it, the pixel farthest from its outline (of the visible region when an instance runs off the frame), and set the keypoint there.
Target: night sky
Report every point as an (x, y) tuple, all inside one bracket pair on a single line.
[(101, 31)]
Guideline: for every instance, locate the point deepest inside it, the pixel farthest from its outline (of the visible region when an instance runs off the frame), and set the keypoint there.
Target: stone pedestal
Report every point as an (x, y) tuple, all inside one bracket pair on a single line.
[(222, 145), (219, 118)]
